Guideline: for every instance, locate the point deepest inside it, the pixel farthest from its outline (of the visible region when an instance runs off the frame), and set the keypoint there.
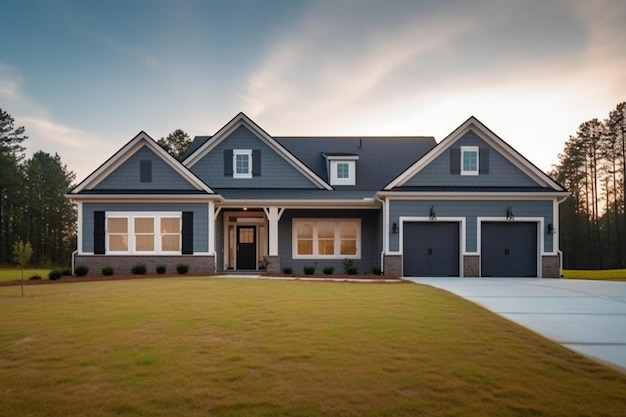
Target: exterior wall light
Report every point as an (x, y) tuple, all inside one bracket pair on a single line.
[(394, 228), (432, 216), (550, 229), (509, 214)]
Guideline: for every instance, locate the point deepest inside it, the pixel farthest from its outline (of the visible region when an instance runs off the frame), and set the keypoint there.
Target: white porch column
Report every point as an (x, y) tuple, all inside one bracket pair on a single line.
[(273, 216), (212, 228)]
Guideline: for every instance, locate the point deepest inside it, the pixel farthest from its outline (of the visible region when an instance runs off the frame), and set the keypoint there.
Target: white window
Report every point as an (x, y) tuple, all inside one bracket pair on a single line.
[(327, 238), (143, 233), (469, 160), (242, 163), (342, 173)]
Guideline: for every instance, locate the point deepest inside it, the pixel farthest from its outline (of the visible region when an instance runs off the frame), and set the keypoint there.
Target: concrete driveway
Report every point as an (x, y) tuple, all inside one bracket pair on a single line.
[(588, 317)]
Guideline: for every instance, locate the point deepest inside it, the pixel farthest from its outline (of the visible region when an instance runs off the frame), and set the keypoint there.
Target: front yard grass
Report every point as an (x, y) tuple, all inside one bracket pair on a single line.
[(597, 274), (11, 274), (239, 347)]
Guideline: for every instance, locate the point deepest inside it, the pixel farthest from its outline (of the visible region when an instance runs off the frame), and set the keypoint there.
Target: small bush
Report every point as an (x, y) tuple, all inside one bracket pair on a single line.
[(182, 268), (377, 271), (328, 270), (309, 270), (139, 269), (288, 270), (161, 269), (35, 278), (107, 270), (67, 271), (81, 270), (352, 270), (55, 274)]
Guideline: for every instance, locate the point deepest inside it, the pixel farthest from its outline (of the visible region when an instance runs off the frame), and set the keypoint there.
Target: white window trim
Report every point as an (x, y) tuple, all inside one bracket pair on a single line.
[(334, 180), (130, 218), (470, 149), (247, 152), (316, 255)]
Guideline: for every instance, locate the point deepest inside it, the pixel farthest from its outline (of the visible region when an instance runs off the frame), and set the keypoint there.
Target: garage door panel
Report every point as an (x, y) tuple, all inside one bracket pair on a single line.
[(509, 249), (431, 249)]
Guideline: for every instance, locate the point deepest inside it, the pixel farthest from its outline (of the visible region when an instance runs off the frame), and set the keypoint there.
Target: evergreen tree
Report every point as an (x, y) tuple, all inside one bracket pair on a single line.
[(176, 143)]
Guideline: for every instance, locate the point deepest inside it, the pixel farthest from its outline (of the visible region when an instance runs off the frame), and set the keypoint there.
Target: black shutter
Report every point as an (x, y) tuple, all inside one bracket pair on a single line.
[(187, 237), (99, 234), (455, 161), (145, 171), (256, 163), (483, 159), (228, 163)]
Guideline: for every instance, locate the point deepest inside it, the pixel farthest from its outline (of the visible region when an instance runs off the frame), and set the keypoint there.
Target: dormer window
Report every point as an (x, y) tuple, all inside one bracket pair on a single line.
[(341, 168)]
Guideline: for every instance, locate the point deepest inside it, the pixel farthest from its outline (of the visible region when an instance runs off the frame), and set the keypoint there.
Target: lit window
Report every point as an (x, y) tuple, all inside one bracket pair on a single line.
[(327, 238), (170, 234), (242, 163), (469, 160), (117, 234), (137, 233), (144, 234)]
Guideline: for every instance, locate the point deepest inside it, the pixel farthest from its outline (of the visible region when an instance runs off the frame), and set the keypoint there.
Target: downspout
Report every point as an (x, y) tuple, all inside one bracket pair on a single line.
[(74, 260)]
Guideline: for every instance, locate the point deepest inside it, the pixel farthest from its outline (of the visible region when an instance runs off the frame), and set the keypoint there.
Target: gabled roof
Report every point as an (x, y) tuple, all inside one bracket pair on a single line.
[(380, 159), (473, 124), (138, 142), (241, 119)]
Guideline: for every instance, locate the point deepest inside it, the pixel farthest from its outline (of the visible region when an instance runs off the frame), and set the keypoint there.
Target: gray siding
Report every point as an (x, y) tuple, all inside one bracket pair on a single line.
[(200, 219), (502, 173), (126, 176), (471, 210), (276, 172), (370, 240)]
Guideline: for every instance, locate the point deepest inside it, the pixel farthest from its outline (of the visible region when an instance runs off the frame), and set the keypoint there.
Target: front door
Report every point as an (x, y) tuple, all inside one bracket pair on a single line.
[(246, 247)]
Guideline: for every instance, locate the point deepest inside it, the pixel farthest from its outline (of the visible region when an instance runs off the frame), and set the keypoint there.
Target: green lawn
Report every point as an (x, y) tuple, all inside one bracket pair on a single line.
[(603, 274), (10, 274), (237, 347)]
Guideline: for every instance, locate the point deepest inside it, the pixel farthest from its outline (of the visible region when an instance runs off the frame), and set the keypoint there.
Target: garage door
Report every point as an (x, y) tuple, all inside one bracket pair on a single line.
[(431, 249), (508, 249)]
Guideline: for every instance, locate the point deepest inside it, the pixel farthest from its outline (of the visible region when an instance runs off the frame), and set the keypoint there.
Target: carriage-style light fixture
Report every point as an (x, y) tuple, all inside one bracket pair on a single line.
[(550, 229), (394, 228), (509, 214), (432, 216)]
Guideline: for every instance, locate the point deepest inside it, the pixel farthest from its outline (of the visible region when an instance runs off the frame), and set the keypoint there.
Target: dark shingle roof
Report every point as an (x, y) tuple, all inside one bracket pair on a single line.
[(381, 159)]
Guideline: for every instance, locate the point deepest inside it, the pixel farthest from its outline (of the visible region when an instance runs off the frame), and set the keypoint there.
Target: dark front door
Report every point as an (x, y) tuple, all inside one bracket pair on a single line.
[(431, 249), (246, 247), (509, 249)]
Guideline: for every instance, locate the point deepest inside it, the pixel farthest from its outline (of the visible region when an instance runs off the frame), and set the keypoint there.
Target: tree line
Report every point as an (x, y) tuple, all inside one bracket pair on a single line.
[(592, 168)]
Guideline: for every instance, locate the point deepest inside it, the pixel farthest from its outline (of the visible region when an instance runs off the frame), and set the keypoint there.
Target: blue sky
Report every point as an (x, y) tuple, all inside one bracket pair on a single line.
[(84, 77)]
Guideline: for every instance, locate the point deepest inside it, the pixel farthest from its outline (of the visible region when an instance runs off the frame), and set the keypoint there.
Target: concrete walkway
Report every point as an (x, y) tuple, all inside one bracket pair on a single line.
[(588, 317)]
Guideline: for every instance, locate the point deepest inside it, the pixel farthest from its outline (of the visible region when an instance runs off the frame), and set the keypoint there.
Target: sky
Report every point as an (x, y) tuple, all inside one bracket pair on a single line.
[(84, 77)]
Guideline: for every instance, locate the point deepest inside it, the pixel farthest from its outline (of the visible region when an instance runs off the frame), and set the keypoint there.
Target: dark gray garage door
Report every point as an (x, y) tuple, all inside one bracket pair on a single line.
[(509, 249), (431, 249)]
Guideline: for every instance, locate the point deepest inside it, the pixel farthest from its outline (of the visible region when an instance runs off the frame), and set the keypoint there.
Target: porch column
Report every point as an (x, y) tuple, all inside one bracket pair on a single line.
[(273, 216)]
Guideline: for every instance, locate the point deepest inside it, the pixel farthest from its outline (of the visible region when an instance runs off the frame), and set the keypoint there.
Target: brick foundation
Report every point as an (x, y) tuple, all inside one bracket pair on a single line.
[(471, 265), (272, 265), (551, 266), (124, 264), (392, 265)]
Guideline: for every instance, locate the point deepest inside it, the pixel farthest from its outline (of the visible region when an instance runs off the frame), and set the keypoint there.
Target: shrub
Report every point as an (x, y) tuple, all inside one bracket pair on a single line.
[(139, 269), (35, 278), (161, 269), (352, 270), (377, 271), (182, 268), (288, 270), (81, 270), (66, 271), (309, 270), (107, 270), (55, 274), (329, 270)]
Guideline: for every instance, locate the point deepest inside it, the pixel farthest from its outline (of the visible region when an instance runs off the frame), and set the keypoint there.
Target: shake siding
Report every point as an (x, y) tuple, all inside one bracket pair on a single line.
[(370, 240), (127, 176), (470, 210), (276, 172), (502, 173), (200, 219)]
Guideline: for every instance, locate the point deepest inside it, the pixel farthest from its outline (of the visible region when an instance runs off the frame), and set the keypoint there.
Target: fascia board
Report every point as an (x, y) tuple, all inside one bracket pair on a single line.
[(141, 198), (243, 120), (469, 195)]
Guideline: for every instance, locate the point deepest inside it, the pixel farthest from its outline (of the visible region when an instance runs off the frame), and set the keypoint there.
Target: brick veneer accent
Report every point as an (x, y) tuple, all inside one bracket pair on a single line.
[(392, 265), (551, 266), (471, 265), (272, 265), (124, 264)]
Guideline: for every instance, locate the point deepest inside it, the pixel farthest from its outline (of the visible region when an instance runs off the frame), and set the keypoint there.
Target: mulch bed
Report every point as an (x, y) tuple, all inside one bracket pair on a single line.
[(120, 277)]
